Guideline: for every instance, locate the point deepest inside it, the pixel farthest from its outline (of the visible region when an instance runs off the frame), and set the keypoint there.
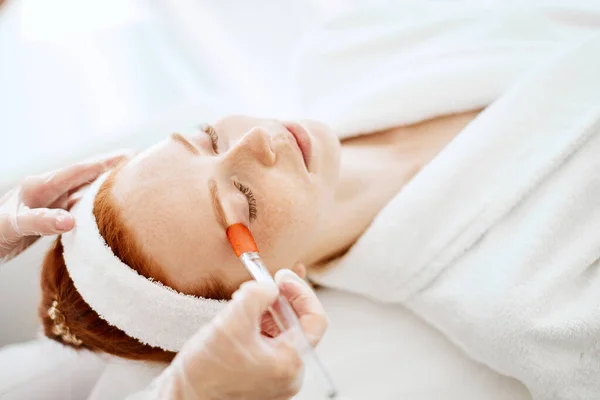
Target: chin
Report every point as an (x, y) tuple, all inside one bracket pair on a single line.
[(323, 134), (328, 149)]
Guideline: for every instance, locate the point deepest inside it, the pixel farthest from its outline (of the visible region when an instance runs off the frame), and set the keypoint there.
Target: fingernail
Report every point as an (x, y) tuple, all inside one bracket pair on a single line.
[(64, 221), (287, 275)]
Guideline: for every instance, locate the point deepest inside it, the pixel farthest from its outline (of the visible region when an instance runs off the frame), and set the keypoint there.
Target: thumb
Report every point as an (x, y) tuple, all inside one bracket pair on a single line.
[(305, 303)]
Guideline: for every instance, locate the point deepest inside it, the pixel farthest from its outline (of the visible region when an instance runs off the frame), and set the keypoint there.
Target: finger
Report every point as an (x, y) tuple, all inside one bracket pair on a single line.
[(9, 234), (112, 158), (43, 221), (43, 190), (9, 249), (299, 291), (75, 195), (305, 303), (288, 366), (61, 202), (74, 199), (250, 302), (268, 326), (67, 200)]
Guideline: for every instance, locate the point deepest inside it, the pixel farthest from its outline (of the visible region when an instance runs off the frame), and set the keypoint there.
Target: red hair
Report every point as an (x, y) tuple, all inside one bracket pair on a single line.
[(84, 323)]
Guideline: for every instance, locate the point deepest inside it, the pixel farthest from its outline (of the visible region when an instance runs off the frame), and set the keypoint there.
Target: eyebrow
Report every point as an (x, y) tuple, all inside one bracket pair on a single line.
[(186, 143), (212, 185), (216, 203)]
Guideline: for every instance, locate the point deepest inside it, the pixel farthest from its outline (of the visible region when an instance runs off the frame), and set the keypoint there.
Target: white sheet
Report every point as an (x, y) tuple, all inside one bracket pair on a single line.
[(384, 352), (389, 355), (44, 369)]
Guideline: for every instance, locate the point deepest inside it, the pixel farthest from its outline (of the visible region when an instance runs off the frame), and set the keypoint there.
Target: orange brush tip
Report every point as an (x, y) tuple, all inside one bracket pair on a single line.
[(241, 239)]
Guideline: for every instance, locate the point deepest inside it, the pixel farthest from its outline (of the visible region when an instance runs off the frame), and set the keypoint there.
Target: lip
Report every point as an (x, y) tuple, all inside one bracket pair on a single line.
[(302, 140)]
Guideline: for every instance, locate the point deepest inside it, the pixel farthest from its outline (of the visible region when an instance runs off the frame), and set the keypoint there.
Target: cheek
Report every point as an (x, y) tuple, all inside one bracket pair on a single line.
[(288, 221)]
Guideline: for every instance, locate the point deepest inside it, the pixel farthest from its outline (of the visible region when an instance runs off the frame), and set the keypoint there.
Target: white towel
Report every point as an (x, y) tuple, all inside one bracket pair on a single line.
[(497, 241)]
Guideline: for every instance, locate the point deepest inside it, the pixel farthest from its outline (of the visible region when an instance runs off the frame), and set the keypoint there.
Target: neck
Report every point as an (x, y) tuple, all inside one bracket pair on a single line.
[(373, 170)]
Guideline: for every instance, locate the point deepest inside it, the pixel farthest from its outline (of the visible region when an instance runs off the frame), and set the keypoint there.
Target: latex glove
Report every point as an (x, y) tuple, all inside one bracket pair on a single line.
[(234, 358), (38, 206)]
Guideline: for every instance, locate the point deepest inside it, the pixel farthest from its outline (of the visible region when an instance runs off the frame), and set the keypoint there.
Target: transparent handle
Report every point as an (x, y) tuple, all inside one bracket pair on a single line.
[(287, 321)]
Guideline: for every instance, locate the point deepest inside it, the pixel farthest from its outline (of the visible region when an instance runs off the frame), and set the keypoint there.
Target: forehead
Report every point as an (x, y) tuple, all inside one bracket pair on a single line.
[(164, 198), (166, 156)]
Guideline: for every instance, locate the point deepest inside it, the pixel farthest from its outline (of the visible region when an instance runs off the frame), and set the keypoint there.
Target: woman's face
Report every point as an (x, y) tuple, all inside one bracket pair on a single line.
[(179, 196)]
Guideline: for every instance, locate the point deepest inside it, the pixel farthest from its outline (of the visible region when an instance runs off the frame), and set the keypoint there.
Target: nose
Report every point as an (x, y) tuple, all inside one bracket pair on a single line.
[(255, 145)]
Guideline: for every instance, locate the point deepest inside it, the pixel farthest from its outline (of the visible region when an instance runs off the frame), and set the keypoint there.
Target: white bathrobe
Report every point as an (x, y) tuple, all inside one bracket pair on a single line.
[(496, 242)]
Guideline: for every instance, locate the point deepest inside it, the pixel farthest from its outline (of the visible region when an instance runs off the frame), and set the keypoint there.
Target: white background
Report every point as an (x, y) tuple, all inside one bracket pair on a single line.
[(78, 77)]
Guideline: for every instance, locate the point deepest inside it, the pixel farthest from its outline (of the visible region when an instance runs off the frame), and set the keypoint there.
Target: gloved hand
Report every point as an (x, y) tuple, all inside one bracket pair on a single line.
[(235, 358), (38, 206)]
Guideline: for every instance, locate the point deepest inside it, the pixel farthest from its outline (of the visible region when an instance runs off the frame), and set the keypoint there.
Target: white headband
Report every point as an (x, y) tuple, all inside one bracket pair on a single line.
[(144, 309)]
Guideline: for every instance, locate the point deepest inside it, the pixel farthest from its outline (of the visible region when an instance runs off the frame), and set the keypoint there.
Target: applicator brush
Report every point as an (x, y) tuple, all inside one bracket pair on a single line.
[(246, 250)]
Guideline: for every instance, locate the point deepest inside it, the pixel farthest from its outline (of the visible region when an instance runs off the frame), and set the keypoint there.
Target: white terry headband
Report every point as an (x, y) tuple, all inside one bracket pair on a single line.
[(144, 309)]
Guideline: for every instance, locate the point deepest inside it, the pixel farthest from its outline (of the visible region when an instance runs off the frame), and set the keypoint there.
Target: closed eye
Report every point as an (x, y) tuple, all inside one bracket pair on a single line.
[(250, 197), (214, 137)]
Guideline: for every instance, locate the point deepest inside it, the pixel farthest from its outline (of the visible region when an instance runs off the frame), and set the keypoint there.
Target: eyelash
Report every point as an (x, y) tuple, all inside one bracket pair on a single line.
[(251, 200), (214, 137)]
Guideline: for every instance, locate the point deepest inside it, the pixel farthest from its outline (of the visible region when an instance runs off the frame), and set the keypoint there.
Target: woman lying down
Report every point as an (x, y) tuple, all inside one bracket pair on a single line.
[(485, 224)]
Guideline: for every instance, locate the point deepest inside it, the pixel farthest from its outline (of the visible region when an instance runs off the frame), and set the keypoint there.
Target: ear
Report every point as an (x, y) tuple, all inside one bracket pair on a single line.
[(300, 270)]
